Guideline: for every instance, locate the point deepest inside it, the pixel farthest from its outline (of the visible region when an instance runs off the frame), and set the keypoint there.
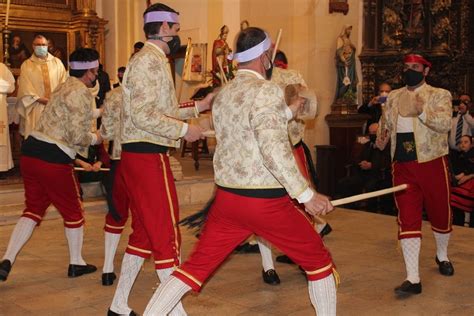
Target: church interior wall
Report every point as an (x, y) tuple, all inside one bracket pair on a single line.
[(308, 38)]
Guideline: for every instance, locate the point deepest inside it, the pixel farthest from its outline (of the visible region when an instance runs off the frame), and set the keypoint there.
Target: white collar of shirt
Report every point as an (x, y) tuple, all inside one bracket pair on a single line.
[(259, 76)]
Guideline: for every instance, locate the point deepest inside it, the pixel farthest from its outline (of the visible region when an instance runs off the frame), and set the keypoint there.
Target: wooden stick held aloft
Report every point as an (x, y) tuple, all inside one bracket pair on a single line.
[(277, 43)]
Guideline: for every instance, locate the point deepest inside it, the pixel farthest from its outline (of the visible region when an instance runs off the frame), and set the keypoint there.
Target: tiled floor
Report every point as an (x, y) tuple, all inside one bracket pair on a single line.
[(363, 246)]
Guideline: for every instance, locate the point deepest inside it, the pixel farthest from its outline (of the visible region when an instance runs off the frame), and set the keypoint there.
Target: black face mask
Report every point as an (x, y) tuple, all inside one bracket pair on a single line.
[(372, 138), (94, 81), (174, 44), (412, 77)]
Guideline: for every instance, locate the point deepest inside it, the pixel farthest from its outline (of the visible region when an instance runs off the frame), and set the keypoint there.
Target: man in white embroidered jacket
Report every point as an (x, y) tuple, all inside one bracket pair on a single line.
[(46, 163), (257, 176), (151, 123), (416, 120)]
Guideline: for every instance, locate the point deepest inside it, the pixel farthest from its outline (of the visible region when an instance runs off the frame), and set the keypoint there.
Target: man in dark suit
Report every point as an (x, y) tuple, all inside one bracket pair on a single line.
[(370, 171)]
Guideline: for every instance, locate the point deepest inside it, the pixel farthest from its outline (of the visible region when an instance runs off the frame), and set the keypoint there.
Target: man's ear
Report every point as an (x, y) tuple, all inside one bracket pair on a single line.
[(426, 71), (164, 28)]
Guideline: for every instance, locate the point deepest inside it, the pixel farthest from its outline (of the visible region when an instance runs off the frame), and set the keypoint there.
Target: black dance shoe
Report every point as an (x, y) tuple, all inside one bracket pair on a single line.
[(326, 230), (112, 313), (5, 267), (76, 270), (270, 277), (284, 259), (108, 278), (408, 288), (445, 267), (247, 248)]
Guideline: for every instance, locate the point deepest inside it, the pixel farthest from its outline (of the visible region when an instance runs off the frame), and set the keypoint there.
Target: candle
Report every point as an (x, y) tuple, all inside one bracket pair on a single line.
[(8, 13)]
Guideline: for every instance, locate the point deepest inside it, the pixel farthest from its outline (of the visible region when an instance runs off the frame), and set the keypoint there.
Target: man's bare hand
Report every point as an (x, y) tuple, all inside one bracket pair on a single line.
[(194, 133), (365, 165), (419, 104), (318, 205), (296, 105), (206, 103), (96, 166), (85, 165)]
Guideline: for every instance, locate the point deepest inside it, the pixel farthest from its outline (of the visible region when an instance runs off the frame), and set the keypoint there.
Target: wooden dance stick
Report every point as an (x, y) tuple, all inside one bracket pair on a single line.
[(277, 43), (82, 169), (368, 195)]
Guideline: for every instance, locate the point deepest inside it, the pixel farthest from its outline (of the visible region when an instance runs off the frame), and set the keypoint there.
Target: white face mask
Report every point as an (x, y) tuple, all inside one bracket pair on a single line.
[(383, 94), (41, 51)]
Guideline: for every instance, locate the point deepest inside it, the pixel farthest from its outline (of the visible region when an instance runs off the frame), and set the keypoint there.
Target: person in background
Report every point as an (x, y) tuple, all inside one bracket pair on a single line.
[(39, 76), (461, 124), (370, 172), (137, 47), (120, 73), (374, 107), (462, 192)]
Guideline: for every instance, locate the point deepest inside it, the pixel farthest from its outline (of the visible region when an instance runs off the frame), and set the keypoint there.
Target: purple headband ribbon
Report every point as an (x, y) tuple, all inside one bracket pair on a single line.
[(161, 16), (83, 65)]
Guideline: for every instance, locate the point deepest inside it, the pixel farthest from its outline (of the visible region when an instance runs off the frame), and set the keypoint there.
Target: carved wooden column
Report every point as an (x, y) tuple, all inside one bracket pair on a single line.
[(343, 132), (88, 28)]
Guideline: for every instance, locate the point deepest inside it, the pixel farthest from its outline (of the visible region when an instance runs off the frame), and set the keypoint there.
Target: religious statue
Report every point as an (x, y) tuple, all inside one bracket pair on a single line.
[(346, 66), (222, 68)]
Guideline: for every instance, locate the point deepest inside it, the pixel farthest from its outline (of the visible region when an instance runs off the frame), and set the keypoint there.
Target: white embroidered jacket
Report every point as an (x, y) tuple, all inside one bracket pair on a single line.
[(253, 151), (150, 109), (430, 128), (66, 120), (110, 127)]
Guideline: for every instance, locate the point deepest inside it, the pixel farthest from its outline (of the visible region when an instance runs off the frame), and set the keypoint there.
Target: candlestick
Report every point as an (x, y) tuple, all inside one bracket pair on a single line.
[(7, 14), (6, 44)]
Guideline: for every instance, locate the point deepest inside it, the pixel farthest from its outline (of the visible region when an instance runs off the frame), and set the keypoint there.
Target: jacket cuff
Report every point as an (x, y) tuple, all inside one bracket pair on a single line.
[(306, 196), (184, 130)]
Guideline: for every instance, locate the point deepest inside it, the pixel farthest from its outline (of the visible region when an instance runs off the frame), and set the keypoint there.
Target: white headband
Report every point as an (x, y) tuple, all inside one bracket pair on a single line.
[(253, 52), (83, 65), (161, 16)]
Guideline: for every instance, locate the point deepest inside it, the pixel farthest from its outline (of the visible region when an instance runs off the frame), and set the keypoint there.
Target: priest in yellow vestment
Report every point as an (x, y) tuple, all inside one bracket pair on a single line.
[(39, 76)]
